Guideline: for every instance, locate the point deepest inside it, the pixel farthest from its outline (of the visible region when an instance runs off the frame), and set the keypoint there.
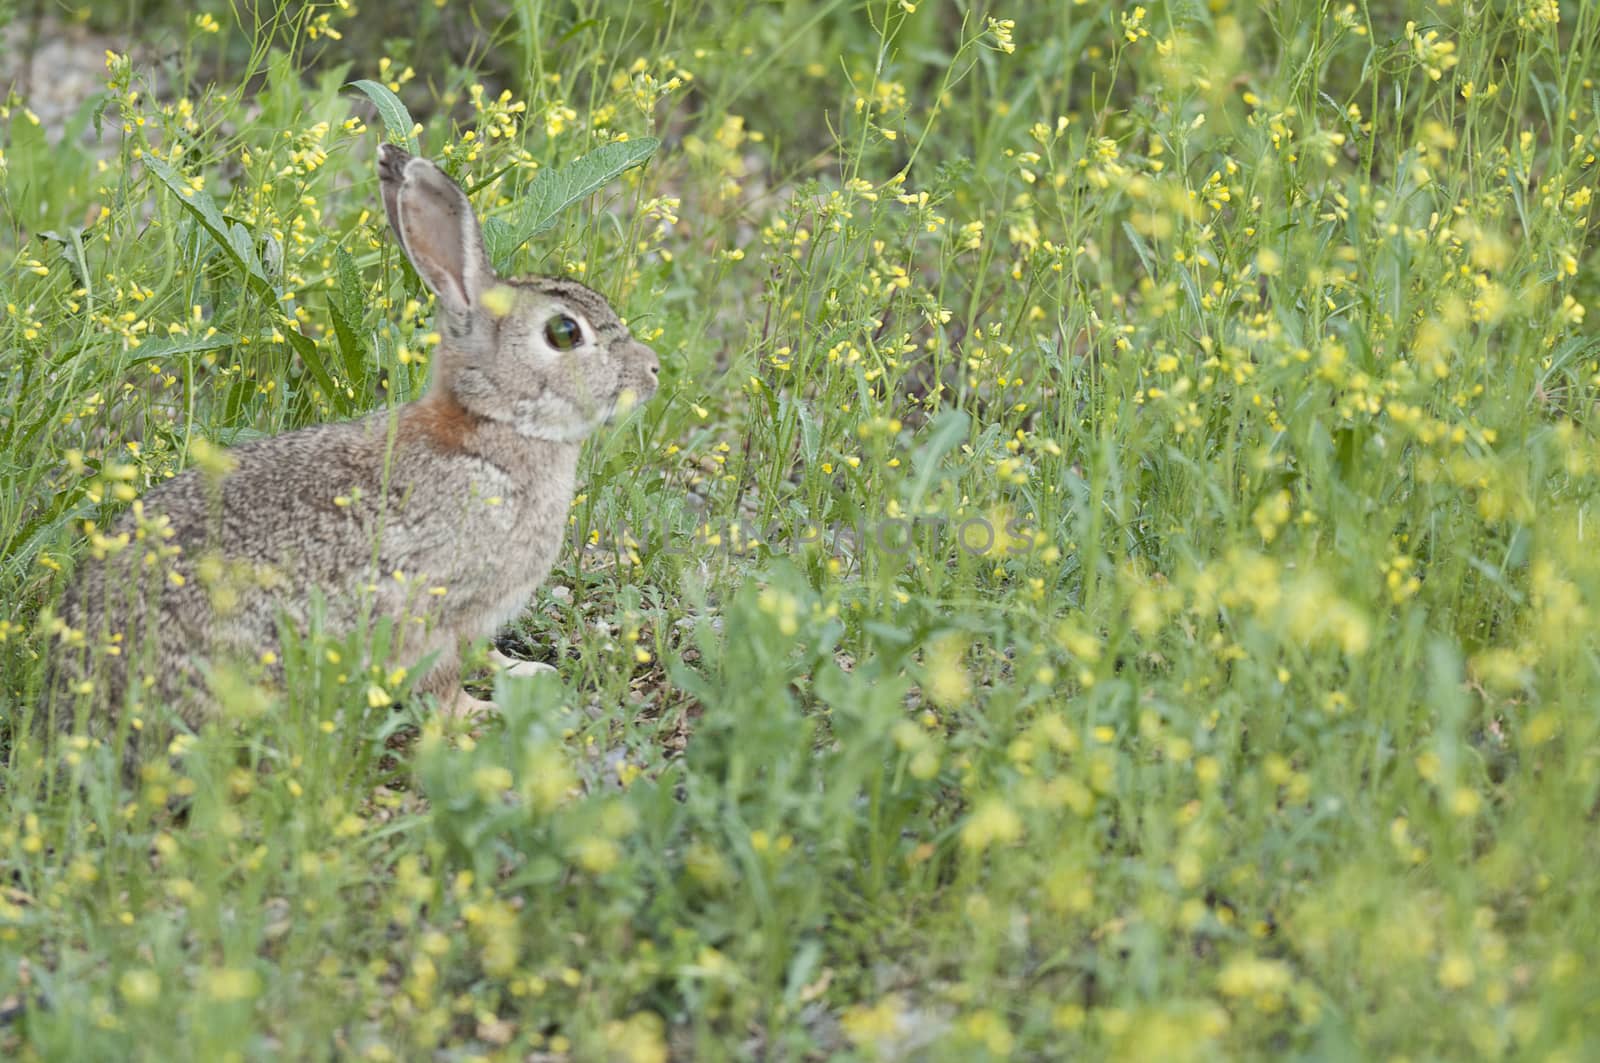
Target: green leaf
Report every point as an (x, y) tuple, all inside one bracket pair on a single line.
[(949, 428), (71, 243), (1146, 257), (351, 350), (243, 246), (810, 433), (166, 347), (555, 189), (311, 356), (348, 311), (350, 295), (43, 528), (887, 633), (235, 239), (397, 121)]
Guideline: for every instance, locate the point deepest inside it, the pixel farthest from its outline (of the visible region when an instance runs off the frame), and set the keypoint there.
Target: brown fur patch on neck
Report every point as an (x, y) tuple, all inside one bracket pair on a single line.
[(441, 420)]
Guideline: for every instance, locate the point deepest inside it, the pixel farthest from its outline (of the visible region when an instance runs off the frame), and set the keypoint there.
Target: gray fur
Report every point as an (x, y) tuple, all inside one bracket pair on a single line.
[(466, 489)]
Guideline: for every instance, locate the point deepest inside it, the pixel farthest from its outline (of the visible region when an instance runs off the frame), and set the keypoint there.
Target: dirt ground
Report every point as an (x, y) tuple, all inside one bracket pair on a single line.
[(53, 66)]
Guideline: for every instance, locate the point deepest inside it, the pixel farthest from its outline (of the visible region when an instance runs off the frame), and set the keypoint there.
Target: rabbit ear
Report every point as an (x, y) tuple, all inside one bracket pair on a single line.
[(434, 222), (391, 175)]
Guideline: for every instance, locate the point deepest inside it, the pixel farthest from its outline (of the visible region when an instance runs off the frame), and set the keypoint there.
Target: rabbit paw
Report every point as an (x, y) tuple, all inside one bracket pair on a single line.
[(467, 707), (518, 669)]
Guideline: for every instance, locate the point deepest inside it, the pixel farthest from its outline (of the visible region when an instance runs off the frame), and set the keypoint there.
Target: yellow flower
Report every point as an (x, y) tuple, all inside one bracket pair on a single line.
[(491, 781), (598, 855), (229, 984), (1435, 55), (987, 1027), (1264, 982), (1456, 970), (139, 987), (946, 682), (1000, 29), (864, 1024), (640, 1038), (992, 822), (1133, 25)]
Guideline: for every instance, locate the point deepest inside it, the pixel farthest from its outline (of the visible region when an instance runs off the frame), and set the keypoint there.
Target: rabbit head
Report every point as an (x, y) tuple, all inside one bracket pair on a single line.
[(547, 356)]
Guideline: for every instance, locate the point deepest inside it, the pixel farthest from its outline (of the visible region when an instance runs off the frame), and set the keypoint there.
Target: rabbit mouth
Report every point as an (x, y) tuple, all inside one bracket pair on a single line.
[(626, 400), (623, 403)]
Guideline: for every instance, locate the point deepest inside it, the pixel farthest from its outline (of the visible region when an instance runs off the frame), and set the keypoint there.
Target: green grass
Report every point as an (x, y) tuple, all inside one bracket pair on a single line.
[(1264, 728)]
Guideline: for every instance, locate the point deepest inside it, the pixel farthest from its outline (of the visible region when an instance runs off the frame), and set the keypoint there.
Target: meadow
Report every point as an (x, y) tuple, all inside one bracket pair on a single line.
[(1112, 570)]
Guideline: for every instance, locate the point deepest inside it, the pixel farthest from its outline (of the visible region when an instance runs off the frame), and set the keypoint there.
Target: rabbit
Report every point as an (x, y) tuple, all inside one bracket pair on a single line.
[(449, 509)]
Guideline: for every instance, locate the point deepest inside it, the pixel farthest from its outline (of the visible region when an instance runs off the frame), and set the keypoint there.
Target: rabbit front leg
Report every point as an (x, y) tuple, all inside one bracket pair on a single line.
[(443, 681), (466, 707), (518, 669)]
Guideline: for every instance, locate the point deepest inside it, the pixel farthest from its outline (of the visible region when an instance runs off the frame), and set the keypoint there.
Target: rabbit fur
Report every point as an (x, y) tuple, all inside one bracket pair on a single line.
[(443, 514)]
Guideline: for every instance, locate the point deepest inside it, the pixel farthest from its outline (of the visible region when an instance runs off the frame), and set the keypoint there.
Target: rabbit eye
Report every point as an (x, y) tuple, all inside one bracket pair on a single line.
[(563, 332)]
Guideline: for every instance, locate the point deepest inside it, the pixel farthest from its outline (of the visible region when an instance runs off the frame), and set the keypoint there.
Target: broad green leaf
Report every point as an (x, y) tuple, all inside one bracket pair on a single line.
[(43, 528), (351, 350), (244, 250), (165, 347), (351, 294), (71, 243), (235, 240), (555, 189), (397, 121), (311, 356), (347, 309)]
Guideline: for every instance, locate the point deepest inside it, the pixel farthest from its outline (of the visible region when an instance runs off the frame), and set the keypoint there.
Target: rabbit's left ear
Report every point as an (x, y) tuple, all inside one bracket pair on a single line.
[(433, 220)]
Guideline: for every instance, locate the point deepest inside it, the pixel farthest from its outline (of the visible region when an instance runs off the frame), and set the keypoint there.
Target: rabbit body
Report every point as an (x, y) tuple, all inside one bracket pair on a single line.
[(443, 515)]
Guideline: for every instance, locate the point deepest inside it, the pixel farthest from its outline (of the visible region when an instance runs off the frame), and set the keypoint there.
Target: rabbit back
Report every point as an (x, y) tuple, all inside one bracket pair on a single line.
[(395, 516)]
